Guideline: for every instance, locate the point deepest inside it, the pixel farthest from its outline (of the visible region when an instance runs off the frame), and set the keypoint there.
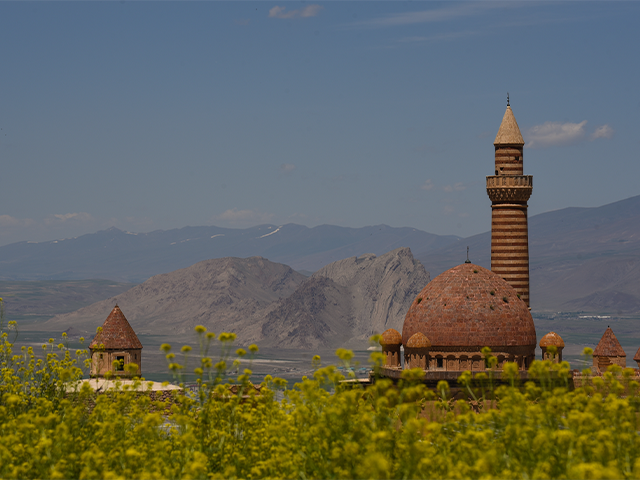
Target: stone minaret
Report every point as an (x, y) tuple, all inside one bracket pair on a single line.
[(509, 191)]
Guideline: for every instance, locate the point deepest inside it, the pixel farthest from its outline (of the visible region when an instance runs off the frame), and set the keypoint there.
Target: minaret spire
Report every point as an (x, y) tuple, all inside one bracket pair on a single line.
[(509, 191)]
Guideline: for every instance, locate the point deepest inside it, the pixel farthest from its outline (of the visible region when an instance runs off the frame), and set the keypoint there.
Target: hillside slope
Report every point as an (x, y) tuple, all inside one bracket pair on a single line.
[(267, 302), (222, 294), (349, 299)]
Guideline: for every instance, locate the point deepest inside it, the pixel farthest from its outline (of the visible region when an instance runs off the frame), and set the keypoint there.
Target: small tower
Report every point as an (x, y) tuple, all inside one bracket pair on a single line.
[(416, 351), (636, 358), (391, 340), (552, 339), (116, 342), (608, 352), (509, 191)]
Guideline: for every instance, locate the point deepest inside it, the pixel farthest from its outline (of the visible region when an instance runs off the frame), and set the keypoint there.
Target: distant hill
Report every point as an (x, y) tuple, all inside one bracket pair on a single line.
[(134, 257), (266, 302), (349, 299), (223, 294), (582, 259)]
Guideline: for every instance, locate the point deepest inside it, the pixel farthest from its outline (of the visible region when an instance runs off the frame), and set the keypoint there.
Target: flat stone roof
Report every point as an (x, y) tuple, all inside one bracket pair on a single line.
[(103, 384)]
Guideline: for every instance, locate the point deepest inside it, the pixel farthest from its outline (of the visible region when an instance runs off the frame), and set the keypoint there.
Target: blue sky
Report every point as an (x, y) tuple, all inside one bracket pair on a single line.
[(158, 115)]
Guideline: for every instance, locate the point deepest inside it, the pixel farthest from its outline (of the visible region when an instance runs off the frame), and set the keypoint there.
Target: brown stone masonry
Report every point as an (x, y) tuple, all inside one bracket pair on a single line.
[(509, 191), (510, 246)]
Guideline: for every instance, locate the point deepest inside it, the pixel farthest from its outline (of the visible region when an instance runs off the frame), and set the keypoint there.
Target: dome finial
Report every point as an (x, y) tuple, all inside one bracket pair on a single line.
[(467, 260), (508, 100)]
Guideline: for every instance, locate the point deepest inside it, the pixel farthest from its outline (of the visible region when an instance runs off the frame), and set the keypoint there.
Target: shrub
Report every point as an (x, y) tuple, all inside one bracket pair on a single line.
[(320, 428)]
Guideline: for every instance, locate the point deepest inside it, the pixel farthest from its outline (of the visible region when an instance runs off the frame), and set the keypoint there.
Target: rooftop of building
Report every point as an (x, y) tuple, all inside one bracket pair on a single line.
[(609, 346), (509, 132), (552, 339), (469, 305), (116, 333)]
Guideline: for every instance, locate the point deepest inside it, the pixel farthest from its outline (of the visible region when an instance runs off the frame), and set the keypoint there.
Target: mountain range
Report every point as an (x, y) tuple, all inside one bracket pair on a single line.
[(342, 304), (582, 259), (134, 257)]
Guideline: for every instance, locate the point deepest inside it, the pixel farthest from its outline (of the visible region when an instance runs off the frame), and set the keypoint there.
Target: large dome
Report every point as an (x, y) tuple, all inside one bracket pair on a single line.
[(470, 306)]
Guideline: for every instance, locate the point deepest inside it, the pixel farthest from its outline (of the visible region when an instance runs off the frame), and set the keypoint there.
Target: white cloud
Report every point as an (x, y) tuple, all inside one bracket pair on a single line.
[(551, 134), (427, 185), (61, 218), (306, 12), (287, 168), (603, 131)]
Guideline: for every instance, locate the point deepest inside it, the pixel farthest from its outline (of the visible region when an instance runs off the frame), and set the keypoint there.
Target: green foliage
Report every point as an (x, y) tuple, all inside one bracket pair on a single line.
[(320, 428)]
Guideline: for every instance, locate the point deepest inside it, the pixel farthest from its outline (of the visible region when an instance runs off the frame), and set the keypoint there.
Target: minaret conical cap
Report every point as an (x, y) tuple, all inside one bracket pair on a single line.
[(509, 133)]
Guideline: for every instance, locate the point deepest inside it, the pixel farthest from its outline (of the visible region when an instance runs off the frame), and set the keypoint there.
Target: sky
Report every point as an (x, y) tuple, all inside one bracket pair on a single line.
[(160, 115)]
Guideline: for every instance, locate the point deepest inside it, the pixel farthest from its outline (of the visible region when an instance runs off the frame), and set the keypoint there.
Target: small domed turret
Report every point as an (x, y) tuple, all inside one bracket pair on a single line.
[(416, 351), (391, 340), (418, 340), (390, 337), (552, 339)]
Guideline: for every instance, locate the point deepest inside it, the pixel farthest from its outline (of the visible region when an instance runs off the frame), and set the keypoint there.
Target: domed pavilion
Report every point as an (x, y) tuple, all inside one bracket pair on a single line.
[(459, 313), (465, 309)]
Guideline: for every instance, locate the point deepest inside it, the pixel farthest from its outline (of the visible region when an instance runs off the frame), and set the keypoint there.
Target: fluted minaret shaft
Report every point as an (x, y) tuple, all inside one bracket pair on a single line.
[(509, 191)]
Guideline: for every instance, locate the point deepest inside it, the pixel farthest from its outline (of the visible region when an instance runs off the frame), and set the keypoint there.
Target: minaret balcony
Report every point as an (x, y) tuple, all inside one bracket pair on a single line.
[(509, 188)]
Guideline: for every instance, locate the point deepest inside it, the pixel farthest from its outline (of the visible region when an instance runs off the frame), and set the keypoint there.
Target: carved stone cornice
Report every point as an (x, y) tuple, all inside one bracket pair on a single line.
[(509, 188)]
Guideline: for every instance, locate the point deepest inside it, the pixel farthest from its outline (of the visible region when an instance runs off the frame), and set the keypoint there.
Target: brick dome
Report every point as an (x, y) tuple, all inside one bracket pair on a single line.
[(552, 339), (469, 306), (418, 340), (390, 337)]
